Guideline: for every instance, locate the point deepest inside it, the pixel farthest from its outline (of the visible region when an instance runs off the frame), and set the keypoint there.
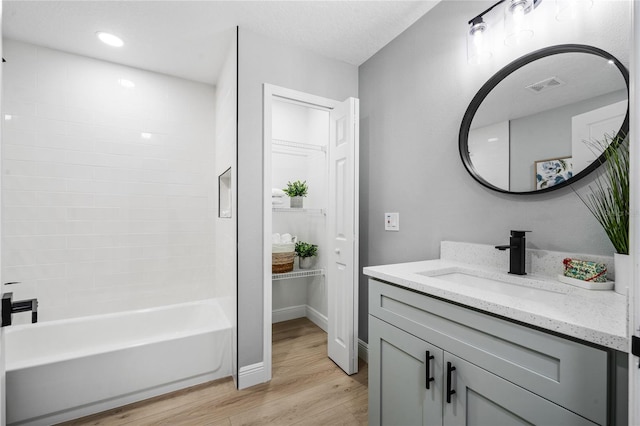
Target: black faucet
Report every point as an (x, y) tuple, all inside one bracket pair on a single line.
[(9, 307), (517, 245)]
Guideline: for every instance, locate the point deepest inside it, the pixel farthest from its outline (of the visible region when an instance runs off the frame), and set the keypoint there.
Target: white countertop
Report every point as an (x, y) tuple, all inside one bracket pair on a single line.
[(598, 317)]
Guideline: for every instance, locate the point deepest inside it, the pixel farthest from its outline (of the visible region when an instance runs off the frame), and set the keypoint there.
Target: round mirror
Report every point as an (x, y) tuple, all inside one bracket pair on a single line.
[(534, 125)]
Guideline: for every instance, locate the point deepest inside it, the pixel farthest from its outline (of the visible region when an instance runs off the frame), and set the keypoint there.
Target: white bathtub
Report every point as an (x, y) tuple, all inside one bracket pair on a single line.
[(65, 369)]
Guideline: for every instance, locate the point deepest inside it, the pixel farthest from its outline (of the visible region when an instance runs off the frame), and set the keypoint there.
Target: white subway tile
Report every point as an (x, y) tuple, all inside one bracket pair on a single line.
[(18, 257), (35, 242), (18, 198)]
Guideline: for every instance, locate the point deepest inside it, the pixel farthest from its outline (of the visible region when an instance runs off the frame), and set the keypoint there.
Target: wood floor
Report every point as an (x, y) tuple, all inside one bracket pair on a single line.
[(307, 389)]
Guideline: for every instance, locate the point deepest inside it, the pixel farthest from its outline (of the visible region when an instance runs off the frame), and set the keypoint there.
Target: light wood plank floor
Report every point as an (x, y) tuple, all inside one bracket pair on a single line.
[(307, 389)]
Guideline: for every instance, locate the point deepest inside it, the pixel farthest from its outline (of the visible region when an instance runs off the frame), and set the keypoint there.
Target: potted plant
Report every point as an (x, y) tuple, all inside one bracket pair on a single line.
[(296, 190), (306, 252), (608, 201)]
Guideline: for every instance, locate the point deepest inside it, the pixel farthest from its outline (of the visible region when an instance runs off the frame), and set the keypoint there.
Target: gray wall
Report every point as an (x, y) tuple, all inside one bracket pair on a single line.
[(262, 60), (413, 95)]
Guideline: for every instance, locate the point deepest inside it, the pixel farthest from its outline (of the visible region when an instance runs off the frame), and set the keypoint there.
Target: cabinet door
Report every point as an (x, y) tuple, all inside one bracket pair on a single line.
[(482, 398), (400, 368)]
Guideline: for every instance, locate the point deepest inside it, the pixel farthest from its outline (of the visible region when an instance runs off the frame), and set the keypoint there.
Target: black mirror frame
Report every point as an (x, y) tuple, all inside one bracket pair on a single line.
[(501, 75)]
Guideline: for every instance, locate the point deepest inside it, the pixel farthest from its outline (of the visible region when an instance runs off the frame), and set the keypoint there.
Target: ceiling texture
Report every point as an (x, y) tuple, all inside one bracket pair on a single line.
[(189, 39)]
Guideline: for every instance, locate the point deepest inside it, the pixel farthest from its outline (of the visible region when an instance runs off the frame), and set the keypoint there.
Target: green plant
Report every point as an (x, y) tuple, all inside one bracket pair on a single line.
[(305, 249), (296, 189), (608, 199)]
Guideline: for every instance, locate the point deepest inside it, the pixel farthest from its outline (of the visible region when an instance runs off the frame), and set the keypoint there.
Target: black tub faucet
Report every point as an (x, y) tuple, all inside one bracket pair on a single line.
[(517, 245)]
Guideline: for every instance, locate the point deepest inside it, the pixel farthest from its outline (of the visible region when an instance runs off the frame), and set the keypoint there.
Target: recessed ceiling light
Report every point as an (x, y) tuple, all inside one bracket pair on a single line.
[(145, 135), (8, 117), (110, 39), (127, 84)]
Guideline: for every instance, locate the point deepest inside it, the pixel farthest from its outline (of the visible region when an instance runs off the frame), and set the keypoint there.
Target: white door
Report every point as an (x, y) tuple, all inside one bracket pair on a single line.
[(342, 229), (592, 126)]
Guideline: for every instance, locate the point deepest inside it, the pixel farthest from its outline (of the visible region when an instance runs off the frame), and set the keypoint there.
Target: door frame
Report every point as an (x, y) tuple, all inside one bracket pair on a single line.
[(634, 216), (270, 92)]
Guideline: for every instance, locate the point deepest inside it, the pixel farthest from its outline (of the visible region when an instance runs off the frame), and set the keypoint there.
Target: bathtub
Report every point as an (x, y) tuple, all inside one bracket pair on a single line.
[(61, 370)]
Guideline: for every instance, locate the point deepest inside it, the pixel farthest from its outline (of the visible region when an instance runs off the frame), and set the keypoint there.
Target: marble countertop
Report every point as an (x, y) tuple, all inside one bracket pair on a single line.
[(598, 317)]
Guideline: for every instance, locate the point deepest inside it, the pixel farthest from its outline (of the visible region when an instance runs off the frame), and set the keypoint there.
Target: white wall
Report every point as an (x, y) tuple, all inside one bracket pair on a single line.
[(96, 218), (413, 95), (225, 158), (262, 60)]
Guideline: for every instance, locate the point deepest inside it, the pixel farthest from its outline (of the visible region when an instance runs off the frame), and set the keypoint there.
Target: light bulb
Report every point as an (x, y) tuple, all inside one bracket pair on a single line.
[(477, 42), (518, 23)]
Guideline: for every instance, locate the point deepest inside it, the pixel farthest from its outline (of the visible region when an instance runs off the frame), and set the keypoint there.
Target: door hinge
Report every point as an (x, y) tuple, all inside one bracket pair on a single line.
[(635, 346)]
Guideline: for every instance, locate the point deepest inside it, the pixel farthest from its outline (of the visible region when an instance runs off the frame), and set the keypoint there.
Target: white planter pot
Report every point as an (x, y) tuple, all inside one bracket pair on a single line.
[(623, 269), (306, 262), (296, 202)]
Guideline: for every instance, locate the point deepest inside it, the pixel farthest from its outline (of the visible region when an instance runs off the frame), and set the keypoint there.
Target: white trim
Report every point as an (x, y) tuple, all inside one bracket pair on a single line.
[(252, 375), (634, 214), (268, 94), (363, 350), (270, 91), (288, 313), (317, 318)]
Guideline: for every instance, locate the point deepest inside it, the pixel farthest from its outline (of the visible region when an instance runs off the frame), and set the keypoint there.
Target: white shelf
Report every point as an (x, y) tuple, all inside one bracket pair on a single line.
[(298, 145), (299, 273), (294, 210)]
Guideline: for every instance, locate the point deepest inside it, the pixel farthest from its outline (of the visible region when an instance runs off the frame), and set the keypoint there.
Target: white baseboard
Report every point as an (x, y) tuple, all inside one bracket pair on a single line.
[(288, 313), (251, 375), (317, 318), (363, 351)]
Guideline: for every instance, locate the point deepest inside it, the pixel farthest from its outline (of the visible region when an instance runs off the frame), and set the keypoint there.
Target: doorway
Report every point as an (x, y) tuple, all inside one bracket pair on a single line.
[(314, 141)]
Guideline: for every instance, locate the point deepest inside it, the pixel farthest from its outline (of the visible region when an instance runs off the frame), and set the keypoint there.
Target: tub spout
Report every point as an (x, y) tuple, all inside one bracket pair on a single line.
[(9, 307)]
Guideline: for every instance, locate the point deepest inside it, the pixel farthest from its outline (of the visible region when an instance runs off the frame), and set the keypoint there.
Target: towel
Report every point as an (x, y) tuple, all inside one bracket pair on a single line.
[(277, 193), (585, 270)]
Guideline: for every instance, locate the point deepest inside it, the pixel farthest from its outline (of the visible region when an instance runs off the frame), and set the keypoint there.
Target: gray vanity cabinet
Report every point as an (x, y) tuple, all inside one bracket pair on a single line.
[(398, 390), (501, 373)]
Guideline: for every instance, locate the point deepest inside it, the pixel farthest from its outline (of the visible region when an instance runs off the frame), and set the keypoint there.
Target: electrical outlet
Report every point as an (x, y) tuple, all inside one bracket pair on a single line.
[(392, 221)]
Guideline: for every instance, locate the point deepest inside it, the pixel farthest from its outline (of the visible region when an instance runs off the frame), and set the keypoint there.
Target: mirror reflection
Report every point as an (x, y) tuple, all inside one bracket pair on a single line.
[(531, 131)]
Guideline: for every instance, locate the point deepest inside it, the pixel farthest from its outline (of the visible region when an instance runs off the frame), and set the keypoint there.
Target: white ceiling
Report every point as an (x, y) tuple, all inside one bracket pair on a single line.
[(189, 39)]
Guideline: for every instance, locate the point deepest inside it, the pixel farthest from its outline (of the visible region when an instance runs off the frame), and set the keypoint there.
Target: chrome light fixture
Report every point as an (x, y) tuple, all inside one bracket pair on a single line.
[(518, 21), (478, 46), (518, 27)]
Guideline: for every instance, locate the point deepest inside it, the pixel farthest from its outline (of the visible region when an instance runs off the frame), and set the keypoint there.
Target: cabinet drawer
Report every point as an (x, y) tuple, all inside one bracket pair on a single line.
[(568, 373)]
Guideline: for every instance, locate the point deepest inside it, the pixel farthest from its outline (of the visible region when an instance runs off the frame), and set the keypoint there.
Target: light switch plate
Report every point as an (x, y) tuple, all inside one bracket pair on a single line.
[(392, 221)]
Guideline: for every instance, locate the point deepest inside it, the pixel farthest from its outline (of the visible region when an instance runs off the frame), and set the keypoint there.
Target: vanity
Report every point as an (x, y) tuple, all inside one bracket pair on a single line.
[(459, 341)]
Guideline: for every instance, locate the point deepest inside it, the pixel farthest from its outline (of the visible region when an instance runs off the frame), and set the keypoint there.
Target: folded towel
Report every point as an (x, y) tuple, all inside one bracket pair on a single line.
[(277, 201), (277, 192), (585, 270)]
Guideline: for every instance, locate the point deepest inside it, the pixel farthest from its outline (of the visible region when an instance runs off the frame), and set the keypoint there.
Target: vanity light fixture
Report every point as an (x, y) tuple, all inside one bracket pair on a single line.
[(478, 49), (518, 26), (518, 21), (110, 39)]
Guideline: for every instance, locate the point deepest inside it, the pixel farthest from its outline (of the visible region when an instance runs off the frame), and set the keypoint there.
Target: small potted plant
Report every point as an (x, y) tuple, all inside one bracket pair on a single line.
[(296, 190), (306, 253)]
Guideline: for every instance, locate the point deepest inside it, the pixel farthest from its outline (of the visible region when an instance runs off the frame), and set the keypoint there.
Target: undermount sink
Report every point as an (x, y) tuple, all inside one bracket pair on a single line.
[(500, 283)]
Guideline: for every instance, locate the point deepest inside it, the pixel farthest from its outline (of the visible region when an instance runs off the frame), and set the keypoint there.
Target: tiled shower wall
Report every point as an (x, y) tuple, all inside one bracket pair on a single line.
[(108, 193)]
